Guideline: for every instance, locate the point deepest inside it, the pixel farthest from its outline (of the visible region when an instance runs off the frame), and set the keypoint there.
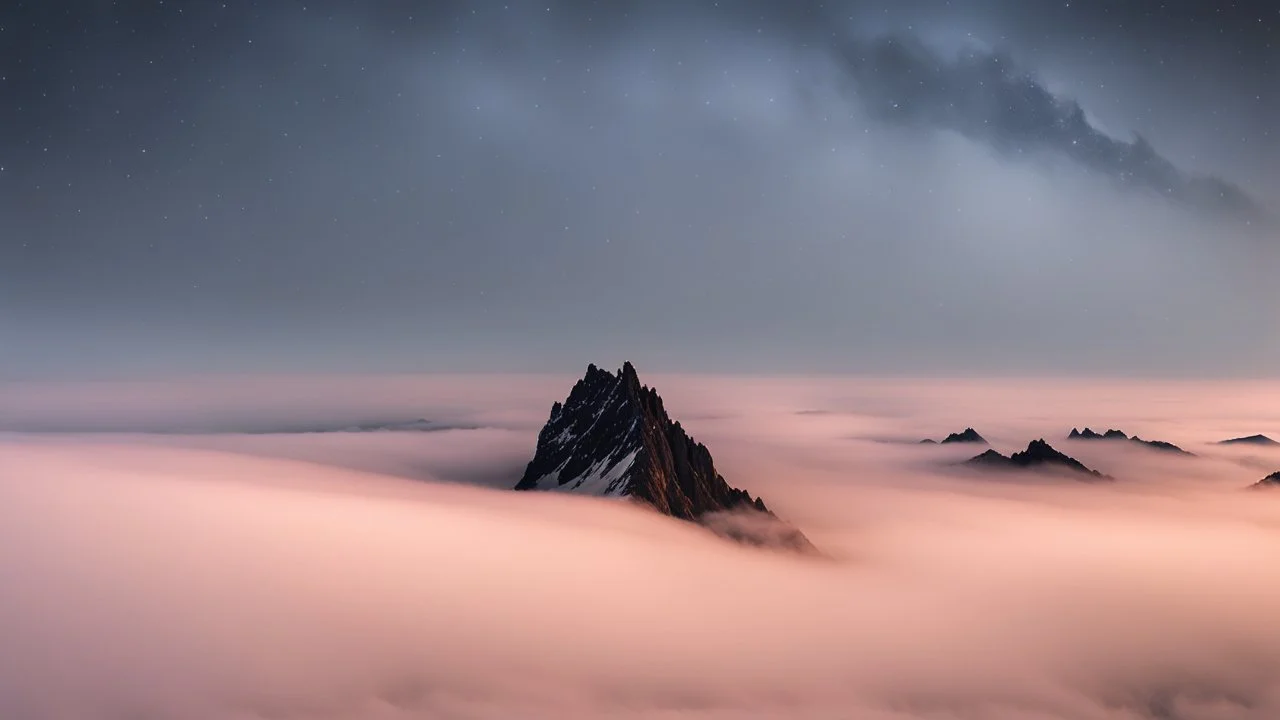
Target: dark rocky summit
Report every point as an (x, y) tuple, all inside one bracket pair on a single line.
[(612, 438), (1270, 482), (1038, 455), (1251, 440), (1088, 434), (968, 435)]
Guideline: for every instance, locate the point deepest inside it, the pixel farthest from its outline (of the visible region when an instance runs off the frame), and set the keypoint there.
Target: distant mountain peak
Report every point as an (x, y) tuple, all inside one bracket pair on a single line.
[(968, 435), (612, 437), (1250, 440), (1039, 454), (1089, 434)]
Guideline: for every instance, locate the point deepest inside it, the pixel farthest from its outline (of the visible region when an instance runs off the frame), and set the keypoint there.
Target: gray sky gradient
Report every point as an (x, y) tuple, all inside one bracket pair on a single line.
[(695, 186)]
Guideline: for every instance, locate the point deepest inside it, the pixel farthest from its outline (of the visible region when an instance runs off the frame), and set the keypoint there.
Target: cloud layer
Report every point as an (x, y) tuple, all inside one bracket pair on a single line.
[(276, 577)]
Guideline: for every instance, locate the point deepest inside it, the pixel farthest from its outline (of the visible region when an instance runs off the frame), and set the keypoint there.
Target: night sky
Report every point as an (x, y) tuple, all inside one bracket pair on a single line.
[(986, 187)]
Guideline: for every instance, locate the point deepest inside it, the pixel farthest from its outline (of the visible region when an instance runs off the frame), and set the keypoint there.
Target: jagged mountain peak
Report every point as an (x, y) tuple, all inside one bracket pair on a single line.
[(1088, 434), (968, 435), (612, 437), (1039, 454)]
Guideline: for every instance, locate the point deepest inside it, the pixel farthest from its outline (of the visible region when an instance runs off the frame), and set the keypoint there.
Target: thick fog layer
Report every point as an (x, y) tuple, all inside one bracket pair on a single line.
[(374, 575)]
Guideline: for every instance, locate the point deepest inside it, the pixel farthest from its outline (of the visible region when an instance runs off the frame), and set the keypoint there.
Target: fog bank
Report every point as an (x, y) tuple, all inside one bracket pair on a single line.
[(366, 575)]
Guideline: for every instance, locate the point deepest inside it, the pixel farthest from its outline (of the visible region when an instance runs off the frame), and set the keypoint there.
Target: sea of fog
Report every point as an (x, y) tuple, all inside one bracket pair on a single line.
[(176, 549)]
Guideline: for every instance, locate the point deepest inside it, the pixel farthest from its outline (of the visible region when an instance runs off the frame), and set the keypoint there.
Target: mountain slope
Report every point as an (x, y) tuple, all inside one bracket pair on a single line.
[(969, 435), (612, 438), (1269, 482)]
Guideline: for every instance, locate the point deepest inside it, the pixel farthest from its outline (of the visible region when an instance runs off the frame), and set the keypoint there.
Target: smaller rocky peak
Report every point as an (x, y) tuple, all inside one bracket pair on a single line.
[(1039, 454), (968, 435), (1090, 434), (1119, 435), (1250, 440), (1270, 482), (627, 374), (652, 402), (597, 376)]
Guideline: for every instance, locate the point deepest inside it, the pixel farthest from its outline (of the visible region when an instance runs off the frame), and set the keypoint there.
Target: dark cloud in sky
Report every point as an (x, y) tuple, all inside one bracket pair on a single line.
[(985, 96), (452, 185)]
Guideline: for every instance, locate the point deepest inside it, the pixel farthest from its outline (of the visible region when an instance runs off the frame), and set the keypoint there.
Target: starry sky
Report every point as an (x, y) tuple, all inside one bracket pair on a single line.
[(888, 186)]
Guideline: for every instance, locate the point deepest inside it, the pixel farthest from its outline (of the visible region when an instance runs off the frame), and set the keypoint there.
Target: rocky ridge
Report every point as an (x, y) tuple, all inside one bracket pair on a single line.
[(612, 437), (1038, 455), (1089, 434)]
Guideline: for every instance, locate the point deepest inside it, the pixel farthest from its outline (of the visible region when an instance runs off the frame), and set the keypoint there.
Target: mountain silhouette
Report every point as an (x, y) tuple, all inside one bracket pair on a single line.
[(612, 437)]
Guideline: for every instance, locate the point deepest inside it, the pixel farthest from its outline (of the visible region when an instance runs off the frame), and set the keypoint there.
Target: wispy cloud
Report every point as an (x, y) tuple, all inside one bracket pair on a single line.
[(986, 97)]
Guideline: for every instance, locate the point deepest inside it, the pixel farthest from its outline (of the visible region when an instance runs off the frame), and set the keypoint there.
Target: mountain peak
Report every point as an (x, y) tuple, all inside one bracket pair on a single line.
[(1088, 434), (628, 374), (1269, 482), (968, 435), (612, 438), (1039, 454), (1250, 440)]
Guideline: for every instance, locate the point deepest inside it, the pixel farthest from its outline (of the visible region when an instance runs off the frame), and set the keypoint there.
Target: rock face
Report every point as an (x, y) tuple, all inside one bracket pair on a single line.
[(1251, 440), (968, 435), (612, 438), (1039, 454), (1088, 434)]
